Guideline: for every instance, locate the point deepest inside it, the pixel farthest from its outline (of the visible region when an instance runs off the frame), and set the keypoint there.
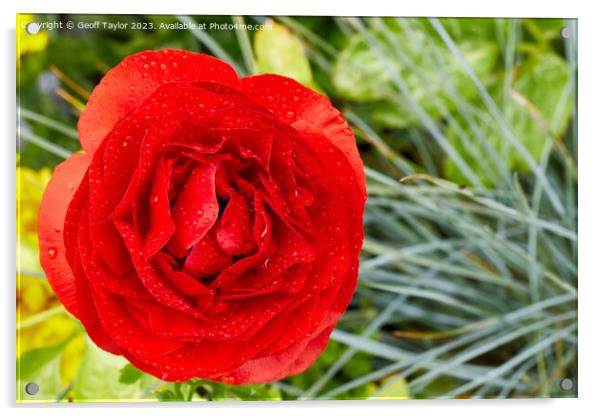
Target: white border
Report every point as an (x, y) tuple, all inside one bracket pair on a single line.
[(590, 207)]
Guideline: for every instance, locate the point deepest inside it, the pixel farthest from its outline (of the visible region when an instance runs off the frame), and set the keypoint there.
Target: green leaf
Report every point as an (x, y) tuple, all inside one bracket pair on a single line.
[(363, 74), (41, 366), (30, 362), (476, 29), (359, 75), (280, 51), (547, 108), (129, 374), (99, 377), (544, 30), (534, 113), (213, 391)]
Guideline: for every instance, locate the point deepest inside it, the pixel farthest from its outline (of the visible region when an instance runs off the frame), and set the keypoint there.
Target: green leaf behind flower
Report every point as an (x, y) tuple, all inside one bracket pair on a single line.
[(280, 51)]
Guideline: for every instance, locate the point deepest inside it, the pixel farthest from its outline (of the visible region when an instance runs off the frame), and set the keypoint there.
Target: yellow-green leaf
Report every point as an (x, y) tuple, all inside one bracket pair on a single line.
[(280, 51)]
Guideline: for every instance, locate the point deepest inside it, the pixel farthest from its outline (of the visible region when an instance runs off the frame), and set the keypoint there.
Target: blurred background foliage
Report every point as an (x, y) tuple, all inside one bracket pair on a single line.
[(468, 277)]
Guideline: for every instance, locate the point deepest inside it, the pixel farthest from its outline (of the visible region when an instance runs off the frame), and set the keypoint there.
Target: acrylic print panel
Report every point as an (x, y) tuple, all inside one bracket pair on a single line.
[(286, 208)]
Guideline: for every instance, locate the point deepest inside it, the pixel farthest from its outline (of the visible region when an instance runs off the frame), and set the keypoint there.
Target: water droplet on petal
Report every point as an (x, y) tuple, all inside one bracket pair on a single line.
[(228, 379), (52, 252), (264, 231)]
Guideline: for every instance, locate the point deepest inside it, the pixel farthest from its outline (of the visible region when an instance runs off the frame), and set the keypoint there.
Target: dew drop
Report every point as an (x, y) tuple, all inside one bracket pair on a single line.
[(228, 379), (264, 231), (52, 252)]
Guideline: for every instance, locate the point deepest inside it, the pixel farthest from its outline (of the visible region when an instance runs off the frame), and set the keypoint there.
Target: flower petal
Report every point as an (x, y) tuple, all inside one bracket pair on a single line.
[(234, 232), (292, 102), (207, 257), (196, 210), (161, 223), (128, 84), (53, 209)]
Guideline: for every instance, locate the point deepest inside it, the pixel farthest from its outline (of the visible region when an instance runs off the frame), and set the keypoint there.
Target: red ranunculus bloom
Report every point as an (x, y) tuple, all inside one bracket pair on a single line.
[(212, 226)]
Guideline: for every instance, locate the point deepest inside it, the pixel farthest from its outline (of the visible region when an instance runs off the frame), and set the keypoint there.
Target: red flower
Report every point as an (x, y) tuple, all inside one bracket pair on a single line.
[(212, 227)]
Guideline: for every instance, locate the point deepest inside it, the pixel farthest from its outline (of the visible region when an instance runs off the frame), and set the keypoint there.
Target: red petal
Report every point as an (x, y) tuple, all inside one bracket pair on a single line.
[(262, 231), (110, 248), (186, 284), (87, 312), (128, 84), (234, 232), (126, 332), (98, 273), (161, 224), (51, 218), (207, 257), (238, 325), (196, 210), (154, 281), (292, 102), (292, 360)]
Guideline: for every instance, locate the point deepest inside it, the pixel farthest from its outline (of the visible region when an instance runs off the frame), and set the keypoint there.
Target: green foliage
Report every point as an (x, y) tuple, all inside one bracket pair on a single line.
[(101, 377), (538, 109), (41, 366), (366, 72), (280, 51), (208, 391), (129, 374)]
